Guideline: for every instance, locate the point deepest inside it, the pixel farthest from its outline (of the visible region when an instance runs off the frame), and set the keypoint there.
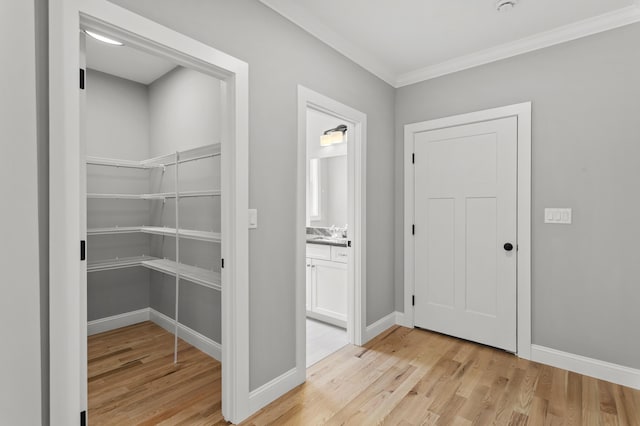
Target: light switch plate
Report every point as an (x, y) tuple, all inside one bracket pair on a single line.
[(557, 215), (253, 218)]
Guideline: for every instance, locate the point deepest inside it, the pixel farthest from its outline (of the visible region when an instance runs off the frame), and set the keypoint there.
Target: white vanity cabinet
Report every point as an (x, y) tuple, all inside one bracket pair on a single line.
[(327, 283)]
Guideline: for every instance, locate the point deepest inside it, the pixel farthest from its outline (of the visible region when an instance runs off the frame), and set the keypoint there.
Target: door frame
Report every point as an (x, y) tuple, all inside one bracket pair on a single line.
[(66, 181), (522, 112), (356, 158)]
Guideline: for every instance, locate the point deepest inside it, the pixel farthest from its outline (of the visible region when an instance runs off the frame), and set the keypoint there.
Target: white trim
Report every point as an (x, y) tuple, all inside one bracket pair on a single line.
[(117, 321), (300, 17), (356, 299), (584, 28), (602, 370), (597, 24), (401, 319), (189, 335), (523, 112), (274, 389), (380, 326), (67, 180)]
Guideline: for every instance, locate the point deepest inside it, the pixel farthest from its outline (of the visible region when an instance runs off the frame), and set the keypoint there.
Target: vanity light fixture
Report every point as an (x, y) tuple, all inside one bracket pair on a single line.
[(103, 39), (334, 136)]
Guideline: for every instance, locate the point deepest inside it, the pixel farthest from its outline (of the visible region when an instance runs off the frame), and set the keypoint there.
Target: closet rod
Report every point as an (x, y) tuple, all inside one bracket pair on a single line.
[(192, 159), (201, 152), (112, 162)]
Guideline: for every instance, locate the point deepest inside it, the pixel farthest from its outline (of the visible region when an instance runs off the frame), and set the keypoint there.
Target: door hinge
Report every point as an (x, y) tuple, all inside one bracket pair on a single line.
[(413, 158), (83, 418), (222, 262), (83, 250), (413, 300), (81, 79), (413, 229), (348, 243)]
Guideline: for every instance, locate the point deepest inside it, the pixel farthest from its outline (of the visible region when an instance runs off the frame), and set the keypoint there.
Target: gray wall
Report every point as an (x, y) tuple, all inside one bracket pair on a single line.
[(117, 126), (20, 147), (184, 112), (281, 56), (586, 109)]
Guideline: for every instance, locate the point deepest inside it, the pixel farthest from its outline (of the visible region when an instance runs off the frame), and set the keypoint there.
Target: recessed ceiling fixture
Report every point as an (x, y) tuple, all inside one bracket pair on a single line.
[(505, 5), (333, 136), (104, 39)]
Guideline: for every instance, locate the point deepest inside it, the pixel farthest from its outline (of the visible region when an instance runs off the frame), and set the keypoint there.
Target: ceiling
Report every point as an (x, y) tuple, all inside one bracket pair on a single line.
[(407, 41), (126, 62)]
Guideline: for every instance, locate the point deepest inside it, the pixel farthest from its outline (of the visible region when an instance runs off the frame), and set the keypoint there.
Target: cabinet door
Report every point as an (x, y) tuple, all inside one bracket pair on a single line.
[(329, 289), (308, 280)]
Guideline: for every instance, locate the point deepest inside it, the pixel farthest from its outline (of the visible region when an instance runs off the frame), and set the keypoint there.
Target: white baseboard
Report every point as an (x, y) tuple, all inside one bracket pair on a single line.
[(205, 344), (270, 391), (117, 321), (602, 370), (379, 326), (403, 319)]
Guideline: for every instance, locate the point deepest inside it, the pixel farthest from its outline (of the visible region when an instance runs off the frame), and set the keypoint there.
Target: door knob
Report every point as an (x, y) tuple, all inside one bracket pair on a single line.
[(508, 246)]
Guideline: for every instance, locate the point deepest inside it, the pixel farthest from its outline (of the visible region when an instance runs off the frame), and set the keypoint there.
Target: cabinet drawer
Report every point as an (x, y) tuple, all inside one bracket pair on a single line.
[(317, 251), (339, 254)]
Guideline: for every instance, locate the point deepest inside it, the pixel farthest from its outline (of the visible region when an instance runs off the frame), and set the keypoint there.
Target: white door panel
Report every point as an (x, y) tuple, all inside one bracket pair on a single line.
[(330, 289), (465, 211)]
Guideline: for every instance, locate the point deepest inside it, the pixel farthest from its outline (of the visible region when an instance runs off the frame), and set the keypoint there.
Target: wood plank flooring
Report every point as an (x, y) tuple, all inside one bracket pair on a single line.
[(403, 377), (415, 377), (133, 380)]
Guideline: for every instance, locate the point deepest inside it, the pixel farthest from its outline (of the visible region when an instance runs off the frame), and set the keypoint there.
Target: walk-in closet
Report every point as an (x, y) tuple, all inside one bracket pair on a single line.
[(153, 217)]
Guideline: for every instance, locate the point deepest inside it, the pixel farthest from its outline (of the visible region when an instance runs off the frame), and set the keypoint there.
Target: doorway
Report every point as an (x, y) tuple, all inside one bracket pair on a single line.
[(68, 271), (330, 244), (467, 221), (153, 218)]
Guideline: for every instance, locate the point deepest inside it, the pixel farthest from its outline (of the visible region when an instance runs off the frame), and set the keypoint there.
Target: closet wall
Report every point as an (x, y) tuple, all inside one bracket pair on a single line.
[(184, 114), (117, 127), (127, 120)]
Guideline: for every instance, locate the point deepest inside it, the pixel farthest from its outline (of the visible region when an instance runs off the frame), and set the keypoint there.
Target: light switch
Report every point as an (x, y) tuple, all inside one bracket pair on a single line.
[(557, 215), (253, 218)]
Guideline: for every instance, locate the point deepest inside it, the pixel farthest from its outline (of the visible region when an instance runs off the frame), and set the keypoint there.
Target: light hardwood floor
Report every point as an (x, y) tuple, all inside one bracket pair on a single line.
[(403, 377), (412, 377), (133, 380)]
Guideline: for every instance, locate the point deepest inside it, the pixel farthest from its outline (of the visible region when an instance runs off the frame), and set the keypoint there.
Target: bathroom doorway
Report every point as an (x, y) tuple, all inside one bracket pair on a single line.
[(330, 307)]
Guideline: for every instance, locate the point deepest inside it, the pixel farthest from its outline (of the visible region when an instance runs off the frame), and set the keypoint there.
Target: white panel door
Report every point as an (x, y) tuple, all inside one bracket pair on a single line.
[(465, 221)]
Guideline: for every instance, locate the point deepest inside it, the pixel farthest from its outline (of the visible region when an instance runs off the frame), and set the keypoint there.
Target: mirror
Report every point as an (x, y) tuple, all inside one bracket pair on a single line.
[(327, 191)]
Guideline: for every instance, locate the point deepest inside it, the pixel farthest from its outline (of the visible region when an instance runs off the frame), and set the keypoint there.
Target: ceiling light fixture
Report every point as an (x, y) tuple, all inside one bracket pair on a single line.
[(333, 136), (505, 5), (103, 39)]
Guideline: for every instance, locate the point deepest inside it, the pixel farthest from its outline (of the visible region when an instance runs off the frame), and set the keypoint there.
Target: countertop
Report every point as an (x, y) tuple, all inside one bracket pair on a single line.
[(326, 241)]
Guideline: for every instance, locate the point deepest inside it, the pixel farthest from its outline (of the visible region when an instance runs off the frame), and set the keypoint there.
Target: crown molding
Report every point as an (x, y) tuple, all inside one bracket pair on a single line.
[(587, 27), (308, 23), (300, 17)]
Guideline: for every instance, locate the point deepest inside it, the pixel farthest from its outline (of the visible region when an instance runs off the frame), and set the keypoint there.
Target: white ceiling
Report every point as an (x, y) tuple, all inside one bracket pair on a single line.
[(407, 41), (126, 62)]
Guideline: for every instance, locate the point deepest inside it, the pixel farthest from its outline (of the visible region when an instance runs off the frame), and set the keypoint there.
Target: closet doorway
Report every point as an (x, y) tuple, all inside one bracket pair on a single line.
[(156, 131), (330, 302), (153, 157)]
